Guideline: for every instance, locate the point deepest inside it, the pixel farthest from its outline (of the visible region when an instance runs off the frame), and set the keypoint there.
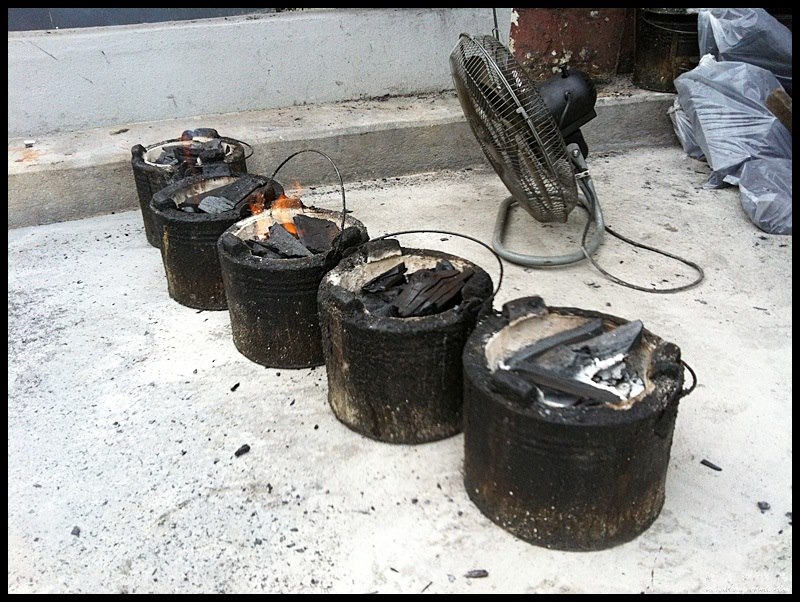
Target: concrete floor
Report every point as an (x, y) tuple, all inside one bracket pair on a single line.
[(124, 413)]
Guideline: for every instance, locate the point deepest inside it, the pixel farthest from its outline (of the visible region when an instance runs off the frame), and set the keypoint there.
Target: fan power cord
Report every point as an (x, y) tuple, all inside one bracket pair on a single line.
[(588, 192)]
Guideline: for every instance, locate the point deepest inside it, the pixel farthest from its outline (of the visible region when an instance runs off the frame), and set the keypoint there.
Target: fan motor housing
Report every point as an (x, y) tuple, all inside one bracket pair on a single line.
[(570, 97)]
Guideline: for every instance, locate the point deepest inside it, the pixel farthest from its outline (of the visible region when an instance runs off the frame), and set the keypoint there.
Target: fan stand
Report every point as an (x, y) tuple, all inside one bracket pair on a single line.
[(590, 203)]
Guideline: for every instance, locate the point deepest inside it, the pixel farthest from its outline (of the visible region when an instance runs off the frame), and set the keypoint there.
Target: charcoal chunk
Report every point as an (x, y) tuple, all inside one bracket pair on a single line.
[(284, 244), (388, 279), (215, 204), (199, 133), (316, 234)]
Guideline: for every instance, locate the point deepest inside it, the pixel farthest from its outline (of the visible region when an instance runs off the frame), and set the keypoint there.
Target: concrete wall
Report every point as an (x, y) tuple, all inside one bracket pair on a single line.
[(67, 80)]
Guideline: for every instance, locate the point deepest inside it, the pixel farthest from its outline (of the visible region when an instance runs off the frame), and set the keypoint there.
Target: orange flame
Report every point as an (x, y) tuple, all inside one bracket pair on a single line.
[(284, 208)]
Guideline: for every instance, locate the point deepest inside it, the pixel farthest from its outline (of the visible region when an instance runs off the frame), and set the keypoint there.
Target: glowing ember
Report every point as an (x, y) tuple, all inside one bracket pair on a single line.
[(256, 202)]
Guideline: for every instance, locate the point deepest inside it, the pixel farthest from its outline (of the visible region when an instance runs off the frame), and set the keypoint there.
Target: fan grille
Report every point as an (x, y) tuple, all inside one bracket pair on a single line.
[(528, 155)]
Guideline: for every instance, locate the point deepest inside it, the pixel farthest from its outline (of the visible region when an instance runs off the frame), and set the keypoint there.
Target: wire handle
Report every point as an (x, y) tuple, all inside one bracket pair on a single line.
[(336, 169), (458, 235), (248, 150), (687, 391)]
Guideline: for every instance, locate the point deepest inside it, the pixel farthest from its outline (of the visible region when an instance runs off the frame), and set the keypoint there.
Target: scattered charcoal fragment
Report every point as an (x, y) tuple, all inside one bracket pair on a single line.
[(711, 465), (258, 541), (764, 506), (76, 531), (234, 387), (242, 450), (476, 574), (789, 516), (426, 587)]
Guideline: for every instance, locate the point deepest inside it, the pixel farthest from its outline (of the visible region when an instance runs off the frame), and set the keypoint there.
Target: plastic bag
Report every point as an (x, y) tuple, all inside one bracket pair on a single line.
[(725, 105), (748, 35), (765, 188), (683, 130)]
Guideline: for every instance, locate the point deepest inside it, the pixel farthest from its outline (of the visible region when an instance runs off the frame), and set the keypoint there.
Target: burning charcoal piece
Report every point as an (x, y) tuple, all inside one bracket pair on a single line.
[(235, 191), (199, 133), (389, 278), (565, 382), (584, 364), (284, 244), (215, 204), (316, 234), (430, 291), (590, 328), (260, 250)]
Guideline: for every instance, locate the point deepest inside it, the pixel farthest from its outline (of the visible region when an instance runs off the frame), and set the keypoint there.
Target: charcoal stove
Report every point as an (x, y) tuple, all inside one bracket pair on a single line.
[(397, 379), (272, 301), (189, 240), (150, 174), (576, 475)]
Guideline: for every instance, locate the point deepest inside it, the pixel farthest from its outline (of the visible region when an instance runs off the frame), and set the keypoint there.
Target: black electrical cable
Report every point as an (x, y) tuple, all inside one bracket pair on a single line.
[(589, 195)]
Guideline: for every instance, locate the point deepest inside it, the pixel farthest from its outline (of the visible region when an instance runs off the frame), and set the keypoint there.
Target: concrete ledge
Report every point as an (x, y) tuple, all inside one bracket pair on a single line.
[(74, 175)]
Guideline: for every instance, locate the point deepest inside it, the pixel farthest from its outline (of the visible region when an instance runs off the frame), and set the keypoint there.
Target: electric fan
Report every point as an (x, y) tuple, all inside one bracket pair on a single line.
[(527, 148)]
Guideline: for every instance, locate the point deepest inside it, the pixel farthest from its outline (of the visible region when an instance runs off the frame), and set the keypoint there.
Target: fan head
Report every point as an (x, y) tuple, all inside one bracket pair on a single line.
[(514, 127)]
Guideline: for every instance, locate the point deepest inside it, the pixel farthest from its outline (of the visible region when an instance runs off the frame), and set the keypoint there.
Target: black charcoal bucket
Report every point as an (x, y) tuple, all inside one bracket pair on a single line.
[(150, 176), (395, 379), (273, 301), (189, 240), (585, 477)]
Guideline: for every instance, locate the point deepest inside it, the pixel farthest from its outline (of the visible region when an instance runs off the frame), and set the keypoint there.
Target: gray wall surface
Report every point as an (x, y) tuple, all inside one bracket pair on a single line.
[(67, 80)]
